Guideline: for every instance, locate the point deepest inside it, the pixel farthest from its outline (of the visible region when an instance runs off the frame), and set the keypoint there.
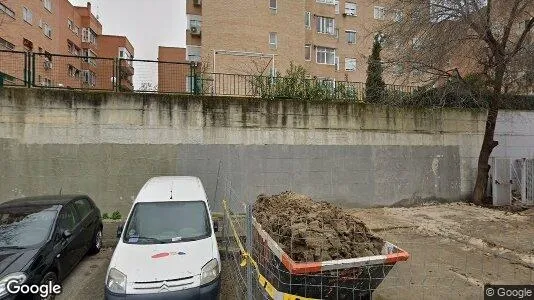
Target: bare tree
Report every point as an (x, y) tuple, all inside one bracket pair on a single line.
[(442, 39)]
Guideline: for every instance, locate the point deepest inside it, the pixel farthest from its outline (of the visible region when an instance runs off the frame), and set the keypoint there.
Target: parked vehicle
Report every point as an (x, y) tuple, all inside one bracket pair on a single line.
[(168, 247), (43, 238)]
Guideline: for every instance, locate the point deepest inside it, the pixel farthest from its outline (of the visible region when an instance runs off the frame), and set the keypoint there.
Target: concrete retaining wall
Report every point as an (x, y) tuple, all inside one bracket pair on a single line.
[(108, 144)]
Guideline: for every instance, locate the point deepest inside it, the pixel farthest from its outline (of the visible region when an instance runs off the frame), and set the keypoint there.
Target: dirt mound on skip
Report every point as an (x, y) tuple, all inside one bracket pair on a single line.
[(314, 231)]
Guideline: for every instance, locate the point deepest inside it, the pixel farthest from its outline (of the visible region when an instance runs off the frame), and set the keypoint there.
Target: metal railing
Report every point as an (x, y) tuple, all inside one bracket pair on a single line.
[(73, 72), (14, 66), (47, 70), (223, 84), (154, 76)]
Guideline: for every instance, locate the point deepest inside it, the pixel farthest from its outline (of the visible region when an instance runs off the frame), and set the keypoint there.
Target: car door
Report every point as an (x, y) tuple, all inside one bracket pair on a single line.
[(87, 221), (69, 247)]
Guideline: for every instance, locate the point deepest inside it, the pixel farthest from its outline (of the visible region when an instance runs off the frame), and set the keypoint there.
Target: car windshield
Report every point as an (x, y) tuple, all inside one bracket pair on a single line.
[(24, 227), (167, 222)]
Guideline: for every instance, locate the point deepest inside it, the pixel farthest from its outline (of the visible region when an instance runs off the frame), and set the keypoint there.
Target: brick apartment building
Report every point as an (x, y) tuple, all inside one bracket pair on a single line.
[(330, 38), (55, 27), (173, 70)]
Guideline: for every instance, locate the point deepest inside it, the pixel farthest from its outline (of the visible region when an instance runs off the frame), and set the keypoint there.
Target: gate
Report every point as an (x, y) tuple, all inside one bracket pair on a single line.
[(501, 183), (526, 180)]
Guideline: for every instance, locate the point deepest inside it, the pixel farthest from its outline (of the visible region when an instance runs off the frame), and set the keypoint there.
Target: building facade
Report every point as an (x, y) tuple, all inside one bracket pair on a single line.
[(66, 43), (174, 72), (332, 39), (120, 47)]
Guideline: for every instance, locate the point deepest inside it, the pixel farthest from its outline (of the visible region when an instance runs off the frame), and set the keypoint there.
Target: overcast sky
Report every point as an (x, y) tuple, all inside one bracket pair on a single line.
[(147, 23)]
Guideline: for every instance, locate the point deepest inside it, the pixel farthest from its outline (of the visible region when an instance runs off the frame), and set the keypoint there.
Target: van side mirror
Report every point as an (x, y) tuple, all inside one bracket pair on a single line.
[(216, 226), (119, 230), (66, 234)]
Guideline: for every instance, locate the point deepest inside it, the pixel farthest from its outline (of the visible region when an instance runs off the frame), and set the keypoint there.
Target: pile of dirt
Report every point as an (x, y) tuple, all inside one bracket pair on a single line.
[(314, 231)]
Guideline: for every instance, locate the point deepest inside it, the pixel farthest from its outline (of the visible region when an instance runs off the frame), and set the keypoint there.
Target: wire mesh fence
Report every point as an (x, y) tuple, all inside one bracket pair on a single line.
[(73, 72), (157, 76), (261, 265), (13, 68), (454, 251)]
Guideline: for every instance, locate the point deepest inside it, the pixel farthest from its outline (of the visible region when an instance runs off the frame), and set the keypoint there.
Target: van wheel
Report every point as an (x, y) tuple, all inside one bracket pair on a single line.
[(96, 244), (51, 278)]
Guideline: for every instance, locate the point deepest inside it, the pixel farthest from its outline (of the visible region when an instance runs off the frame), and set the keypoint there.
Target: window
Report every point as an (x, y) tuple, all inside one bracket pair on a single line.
[(89, 77), (168, 222), (350, 64), (25, 226), (273, 4), (336, 62), (307, 52), (75, 29), (7, 10), (326, 25), (89, 55), (83, 207), (72, 49), (336, 6), (273, 40), (47, 30), (328, 83), (379, 13), (307, 19), (27, 15), (326, 56), (6, 45), (73, 72), (48, 4), (331, 2), (88, 36), (351, 9), (68, 219), (351, 36), (193, 53)]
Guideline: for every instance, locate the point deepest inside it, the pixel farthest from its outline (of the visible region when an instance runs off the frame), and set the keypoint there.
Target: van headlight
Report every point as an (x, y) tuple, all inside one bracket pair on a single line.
[(116, 281), (209, 272), (19, 278)]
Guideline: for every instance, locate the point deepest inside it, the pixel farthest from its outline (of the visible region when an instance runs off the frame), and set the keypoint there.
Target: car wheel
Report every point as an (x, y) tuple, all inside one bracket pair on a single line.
[(49, 278), (96, 244)]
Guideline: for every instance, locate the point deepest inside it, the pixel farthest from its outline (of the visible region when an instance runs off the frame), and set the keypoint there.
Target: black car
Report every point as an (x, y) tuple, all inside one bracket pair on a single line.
[(43, 238)]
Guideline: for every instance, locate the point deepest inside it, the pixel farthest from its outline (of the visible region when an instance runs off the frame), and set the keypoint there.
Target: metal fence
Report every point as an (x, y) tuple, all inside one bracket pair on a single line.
[(72, 72), (48, 70), (255, 267), (286, 87), (156, 76), (14, 68)]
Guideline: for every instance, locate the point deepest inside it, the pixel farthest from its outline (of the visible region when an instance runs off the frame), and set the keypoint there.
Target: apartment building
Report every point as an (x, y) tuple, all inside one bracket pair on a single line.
[(65, 40), (113, 46), (173, 70), (330, 38)]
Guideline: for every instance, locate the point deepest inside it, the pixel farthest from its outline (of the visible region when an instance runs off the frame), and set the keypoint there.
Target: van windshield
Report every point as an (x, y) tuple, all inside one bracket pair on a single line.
[(167, 222)]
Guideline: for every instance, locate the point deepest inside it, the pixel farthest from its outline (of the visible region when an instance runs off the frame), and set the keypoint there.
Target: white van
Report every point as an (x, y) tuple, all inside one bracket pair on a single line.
[(167, 249)]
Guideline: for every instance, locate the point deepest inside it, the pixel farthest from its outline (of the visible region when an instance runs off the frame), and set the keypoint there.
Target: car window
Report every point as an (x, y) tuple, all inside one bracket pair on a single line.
[(68, 218), (168, 222), (83, 207), (25, 226)]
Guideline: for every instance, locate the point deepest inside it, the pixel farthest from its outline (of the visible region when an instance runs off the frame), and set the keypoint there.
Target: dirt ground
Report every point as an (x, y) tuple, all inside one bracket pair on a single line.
[(455, 249), (314, 231)]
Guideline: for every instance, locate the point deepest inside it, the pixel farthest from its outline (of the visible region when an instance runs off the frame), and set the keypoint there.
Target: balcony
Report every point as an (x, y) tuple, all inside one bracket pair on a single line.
[(127, 68)]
